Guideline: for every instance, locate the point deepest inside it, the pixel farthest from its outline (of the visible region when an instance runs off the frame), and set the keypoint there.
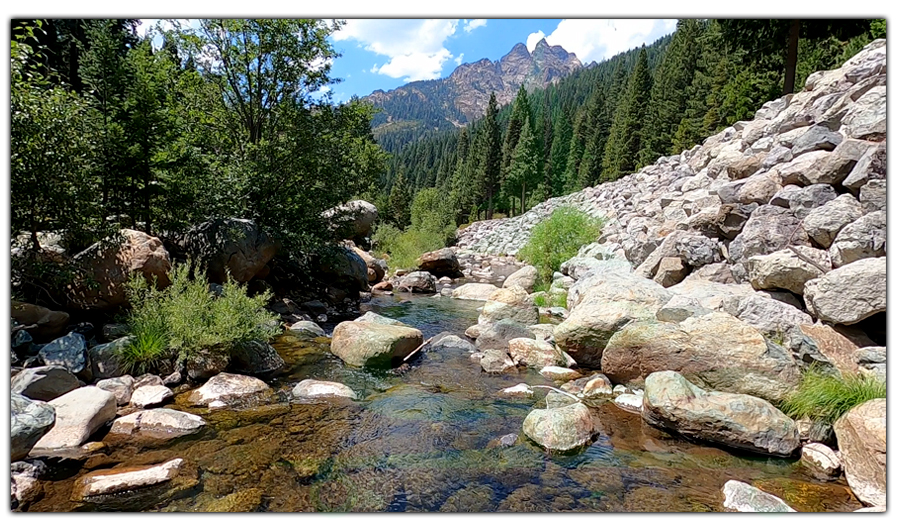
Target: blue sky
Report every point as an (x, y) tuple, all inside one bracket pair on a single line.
[(387, 53)]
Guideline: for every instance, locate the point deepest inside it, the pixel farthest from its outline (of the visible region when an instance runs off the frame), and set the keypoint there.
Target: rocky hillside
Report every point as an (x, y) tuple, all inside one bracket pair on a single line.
[(463, 96)]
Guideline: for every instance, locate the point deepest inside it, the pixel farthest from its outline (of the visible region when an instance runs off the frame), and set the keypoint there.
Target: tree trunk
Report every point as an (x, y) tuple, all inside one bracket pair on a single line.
[(790, 64), (523, 199)]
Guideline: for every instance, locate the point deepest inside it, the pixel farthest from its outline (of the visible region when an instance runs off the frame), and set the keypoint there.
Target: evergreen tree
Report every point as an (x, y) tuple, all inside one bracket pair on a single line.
[(524, 168), (622, 147), (597, 131), (398, 212), (490, 156), (562, 139)]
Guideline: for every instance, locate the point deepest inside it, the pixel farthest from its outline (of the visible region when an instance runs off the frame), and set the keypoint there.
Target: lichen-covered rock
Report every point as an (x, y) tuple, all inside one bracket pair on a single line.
[(732, 419), (862, 439), (564, 428), (768, 230), (373, 344), (850, 293), (105, 358), (873, 196)]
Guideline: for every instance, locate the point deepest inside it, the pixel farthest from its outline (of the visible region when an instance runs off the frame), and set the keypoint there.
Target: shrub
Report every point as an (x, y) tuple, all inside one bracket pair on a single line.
[(824, 398), (431, 228), (548, 299), (558, 238), (186, 318)]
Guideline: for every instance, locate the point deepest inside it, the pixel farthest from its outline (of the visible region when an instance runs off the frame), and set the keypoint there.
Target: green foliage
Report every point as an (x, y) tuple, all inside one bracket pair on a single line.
[(620, 156), (431, 227), (398, 212), (824, 397), (188, 318), (558, 238), (548, 299)]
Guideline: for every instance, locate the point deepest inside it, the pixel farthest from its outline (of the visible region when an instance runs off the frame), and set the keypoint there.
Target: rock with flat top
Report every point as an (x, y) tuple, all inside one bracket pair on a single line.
[(79, 413)]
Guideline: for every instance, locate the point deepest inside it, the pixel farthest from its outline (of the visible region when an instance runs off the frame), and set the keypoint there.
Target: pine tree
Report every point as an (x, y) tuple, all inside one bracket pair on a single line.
[(524, 167), (621, 151), (490, 156), (399, 203), (562, 138), (597, 131)]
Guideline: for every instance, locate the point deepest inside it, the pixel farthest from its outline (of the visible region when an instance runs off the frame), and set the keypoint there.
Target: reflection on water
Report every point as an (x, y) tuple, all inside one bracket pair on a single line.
[(426, 440)]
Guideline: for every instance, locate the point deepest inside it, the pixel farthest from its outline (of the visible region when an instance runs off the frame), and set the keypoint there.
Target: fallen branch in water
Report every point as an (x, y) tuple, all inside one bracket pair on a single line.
[(417, 349)]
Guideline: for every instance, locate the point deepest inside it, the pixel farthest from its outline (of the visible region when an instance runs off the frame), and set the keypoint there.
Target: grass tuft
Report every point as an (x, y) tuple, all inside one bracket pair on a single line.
[(558, 238), (824, 398)]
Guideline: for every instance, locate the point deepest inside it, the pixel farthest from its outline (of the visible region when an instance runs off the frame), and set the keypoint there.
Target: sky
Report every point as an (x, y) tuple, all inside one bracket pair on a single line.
[(387, 53)]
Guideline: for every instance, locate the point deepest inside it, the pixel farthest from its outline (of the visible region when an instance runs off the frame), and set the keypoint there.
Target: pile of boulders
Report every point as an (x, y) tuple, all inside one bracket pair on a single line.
[(724, 272)]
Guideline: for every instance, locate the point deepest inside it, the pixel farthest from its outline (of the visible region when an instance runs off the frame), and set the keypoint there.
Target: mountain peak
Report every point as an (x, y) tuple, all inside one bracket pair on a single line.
[(463, 96)]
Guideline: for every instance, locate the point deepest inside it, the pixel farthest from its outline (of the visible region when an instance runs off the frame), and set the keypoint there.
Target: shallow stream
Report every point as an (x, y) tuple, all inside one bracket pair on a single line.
[(427, 439)]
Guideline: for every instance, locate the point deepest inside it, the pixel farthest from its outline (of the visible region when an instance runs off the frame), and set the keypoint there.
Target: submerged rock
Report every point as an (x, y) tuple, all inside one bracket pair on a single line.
[(562, 429), (559, 374), (474, 291), (731, 419), (498, 335), (161, 423), (312, 388), (742, 497), (305, 329), (496, 361), (133, 488)]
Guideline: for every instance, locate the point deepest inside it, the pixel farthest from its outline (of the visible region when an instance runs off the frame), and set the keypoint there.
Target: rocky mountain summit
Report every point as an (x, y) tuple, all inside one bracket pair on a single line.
[(463, 96)]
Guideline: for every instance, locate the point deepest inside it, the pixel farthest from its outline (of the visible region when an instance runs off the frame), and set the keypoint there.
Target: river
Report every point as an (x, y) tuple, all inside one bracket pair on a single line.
[(426, 439)]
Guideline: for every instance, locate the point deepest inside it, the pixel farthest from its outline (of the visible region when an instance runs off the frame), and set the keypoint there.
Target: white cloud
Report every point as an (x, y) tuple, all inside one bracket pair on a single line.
[(474, 24), (458, 60), (596, 40), (534, 38), (395, 38)]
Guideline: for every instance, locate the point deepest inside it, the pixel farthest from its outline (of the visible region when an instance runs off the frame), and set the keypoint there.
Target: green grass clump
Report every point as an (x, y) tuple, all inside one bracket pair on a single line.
[(824, 398), (548, 299), (557, 239), (186, 319)]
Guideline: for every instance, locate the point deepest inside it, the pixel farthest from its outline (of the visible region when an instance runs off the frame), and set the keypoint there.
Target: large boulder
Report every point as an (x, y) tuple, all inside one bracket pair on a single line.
[(824, 222), (862, 439), (564, 428), (419, 281), (44, 383), (375, 268), (105, 359), (865, 237), (353, 220), (535, 353), (255, 358), (229, 247), (498, 335), (161, 423), (769, 229), (372, 344), (109, 264), (68, 352), (731, 419), (79, 413), (343, 271), (871, 166), (495, 361), (524, 277), (226, 386), (305, 330), (29, 421), (440, 263), (608, 303), (787, 269), (474, 291), (510, 303), (42, 322), (850, 293), (715, 350), (773, 318)]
